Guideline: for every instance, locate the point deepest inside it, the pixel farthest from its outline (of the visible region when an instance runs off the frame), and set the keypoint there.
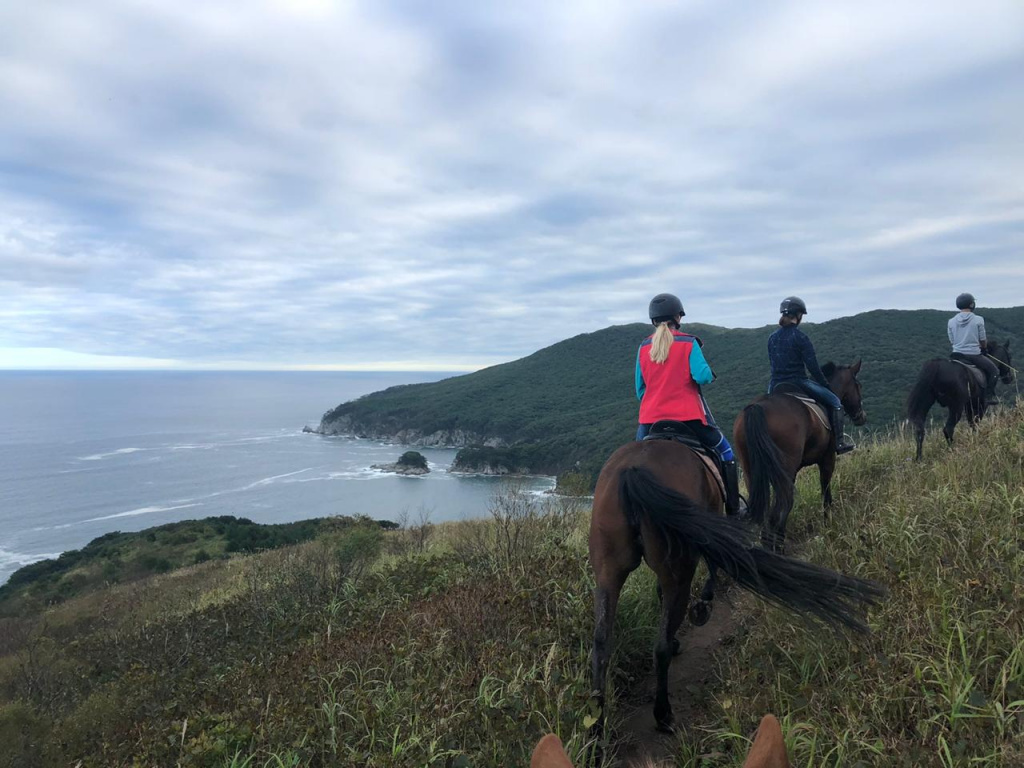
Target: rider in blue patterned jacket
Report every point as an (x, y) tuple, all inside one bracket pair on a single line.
[(790, 352)]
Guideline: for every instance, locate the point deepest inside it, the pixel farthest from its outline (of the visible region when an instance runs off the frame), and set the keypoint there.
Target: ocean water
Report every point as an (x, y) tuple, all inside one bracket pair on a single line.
[(85, 453)]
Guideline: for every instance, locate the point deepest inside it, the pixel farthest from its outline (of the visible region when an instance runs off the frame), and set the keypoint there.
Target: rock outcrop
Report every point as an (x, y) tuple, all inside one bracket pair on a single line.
[(409, 463)]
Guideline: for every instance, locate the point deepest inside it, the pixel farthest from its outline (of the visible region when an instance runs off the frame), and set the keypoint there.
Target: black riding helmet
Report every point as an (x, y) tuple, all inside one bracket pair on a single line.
[(965, 301), (792, 306), (665, 305)]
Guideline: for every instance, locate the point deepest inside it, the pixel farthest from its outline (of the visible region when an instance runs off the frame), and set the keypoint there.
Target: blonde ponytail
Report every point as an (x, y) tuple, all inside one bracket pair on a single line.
[(661, 343)]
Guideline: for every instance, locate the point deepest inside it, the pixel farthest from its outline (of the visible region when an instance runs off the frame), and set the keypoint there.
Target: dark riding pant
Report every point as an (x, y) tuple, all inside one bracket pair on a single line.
[(990, 369), (822, 394), (710, 437)]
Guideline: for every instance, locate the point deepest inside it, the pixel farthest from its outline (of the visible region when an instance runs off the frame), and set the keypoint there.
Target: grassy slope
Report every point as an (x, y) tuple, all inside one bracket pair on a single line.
[(461, 648), (117, 557), (941, 681), (573, 402)]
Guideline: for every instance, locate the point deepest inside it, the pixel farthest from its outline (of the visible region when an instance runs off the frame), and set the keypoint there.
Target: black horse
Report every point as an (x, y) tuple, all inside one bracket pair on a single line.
[(955, 387)]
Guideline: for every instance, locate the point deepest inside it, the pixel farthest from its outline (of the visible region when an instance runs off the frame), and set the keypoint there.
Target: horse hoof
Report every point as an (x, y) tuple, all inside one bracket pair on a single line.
[(700, 612), (665, 727)]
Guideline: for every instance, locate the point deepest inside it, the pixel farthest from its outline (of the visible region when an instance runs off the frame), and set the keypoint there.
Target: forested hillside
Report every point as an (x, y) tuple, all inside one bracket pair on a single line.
[(569, 404)]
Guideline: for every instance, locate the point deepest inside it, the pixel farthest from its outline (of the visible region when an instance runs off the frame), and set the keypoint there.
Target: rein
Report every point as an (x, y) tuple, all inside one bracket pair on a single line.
[(997, 361), (1016, 380)]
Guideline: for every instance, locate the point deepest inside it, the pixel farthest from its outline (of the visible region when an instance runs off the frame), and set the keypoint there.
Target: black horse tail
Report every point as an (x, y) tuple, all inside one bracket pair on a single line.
[(767, 472), (922, 396), (834, 598)]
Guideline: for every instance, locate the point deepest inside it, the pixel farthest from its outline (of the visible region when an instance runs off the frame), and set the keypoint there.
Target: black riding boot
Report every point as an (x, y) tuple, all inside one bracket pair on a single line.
[(732, 488), (843, 443)]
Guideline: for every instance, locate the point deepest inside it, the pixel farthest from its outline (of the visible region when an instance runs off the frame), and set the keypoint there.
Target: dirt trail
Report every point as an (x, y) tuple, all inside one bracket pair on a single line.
[(688, 676)]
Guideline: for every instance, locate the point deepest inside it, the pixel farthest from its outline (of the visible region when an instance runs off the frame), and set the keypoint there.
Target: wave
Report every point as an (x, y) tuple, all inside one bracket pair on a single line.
[(142, 511), (271, 479), (9, 559), (118, 452)]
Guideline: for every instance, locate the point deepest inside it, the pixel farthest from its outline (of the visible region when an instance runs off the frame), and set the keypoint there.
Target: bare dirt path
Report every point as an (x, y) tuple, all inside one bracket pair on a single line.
[(689, 675)]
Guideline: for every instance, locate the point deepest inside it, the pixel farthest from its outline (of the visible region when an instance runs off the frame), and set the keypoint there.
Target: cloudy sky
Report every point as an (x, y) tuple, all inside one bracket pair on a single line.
[(446, 185)]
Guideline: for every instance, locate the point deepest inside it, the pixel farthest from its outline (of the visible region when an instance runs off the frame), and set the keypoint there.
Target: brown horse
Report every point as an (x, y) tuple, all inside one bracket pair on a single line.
[(767, 751), (657, 501), (776, 436)]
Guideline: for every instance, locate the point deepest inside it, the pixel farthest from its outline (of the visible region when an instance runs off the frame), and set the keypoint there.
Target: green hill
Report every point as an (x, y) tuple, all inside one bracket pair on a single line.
[(570, 404), (120, 558)]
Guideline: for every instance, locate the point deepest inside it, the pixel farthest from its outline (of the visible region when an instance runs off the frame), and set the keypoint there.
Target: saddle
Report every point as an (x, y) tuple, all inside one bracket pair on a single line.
[(980, 380), (797, 393), (681, 432)]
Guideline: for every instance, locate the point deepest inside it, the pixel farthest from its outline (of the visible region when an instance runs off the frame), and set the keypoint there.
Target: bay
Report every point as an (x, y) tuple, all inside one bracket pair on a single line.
[(86, 453)]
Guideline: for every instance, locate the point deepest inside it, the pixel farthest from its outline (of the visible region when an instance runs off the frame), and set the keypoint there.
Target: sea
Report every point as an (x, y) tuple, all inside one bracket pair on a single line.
[(86, 453)]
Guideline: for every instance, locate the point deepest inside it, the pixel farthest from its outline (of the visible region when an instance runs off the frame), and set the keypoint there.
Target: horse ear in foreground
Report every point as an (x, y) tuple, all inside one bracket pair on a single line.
[(657, 501), (768, 750)]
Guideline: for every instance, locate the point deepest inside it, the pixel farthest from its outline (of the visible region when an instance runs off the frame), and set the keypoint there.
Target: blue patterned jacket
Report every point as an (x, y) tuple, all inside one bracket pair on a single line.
[(790, 352)]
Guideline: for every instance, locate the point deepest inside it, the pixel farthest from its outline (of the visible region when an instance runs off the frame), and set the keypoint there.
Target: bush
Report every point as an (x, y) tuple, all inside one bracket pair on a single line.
[(412, 459), (24, 736)]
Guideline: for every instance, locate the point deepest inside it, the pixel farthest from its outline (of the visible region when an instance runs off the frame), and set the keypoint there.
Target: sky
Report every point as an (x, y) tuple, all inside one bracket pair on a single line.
[(440, 185)]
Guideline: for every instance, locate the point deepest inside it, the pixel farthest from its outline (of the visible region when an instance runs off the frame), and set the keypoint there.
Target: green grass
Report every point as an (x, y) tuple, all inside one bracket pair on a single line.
[(461, 644), (117, 557), (940, 682)]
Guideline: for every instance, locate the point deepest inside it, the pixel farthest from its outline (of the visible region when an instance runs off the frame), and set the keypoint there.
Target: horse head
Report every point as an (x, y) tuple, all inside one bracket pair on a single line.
[(1000, 353), (842, 379)]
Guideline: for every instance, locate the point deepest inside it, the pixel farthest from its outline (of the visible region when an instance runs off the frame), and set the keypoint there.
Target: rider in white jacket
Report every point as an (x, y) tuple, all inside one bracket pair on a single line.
[(966, 332)]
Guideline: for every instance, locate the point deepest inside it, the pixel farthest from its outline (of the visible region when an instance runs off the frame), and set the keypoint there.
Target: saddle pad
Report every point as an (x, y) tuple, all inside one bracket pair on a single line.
[(713, 469), (979, 375), (815, 409), (690, 442)]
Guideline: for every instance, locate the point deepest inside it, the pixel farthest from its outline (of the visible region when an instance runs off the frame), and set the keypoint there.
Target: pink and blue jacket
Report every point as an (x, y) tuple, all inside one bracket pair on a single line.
[(670, 390)]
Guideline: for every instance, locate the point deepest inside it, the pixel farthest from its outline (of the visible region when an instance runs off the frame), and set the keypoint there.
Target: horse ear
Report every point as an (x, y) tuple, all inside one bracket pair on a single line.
[(856, 367), (549, 754), (828, 369), (769, 749)]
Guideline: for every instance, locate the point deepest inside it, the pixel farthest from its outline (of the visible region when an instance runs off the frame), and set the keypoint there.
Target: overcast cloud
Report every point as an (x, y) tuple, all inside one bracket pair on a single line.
[(440, 184)]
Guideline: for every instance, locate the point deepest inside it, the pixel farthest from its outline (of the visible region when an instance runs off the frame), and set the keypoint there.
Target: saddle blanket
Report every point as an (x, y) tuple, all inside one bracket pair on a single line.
[(712, 467), (814, 407), (979, 375)]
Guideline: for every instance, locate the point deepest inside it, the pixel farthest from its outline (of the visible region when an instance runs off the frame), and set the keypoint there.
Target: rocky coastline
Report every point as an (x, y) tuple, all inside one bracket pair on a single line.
[(442, 438), (401, 469)]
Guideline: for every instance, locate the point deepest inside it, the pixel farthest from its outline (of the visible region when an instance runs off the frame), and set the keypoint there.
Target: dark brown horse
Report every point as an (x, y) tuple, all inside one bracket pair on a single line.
[(776, 436), (657, 501), (953, 386)]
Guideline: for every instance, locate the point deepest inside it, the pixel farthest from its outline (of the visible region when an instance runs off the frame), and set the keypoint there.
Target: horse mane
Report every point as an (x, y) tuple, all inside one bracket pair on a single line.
[(830, 368)]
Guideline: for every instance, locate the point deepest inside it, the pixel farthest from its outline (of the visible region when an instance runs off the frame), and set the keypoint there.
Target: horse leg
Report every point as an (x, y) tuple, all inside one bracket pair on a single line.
[(955, 412), (780, 531), (675, 646), (610, 579), (826, 467), (675, 585), (773, 534), (919, 437), (700, 611)]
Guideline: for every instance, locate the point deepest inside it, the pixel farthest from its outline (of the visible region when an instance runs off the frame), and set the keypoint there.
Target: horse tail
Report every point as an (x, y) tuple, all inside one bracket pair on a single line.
[(834, 598), (922, 395), (767, 471)]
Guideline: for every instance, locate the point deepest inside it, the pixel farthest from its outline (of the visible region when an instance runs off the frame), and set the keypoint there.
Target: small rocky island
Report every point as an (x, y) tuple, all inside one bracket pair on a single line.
[(409, 463)]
